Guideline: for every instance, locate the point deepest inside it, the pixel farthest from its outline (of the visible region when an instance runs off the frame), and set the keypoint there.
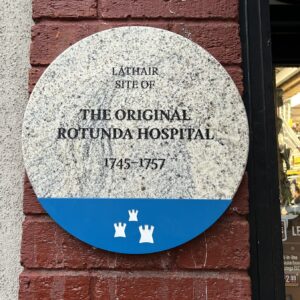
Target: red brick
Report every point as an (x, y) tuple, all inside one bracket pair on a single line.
[(231, 288), (134, 286), (176, 286), (30, 202), (221, 39), (47, 287), (46, 245), (236, 73), (34, 76), (64, 8), (145, 287), (57, 265), (169, 9), (224, 245), (240, 203), (49, 40)]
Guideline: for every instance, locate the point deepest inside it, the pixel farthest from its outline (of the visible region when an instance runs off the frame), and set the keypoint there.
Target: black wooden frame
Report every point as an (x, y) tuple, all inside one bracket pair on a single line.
[(266, 267)]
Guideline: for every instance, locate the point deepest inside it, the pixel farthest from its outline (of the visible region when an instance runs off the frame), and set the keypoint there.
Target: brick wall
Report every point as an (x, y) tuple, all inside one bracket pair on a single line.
[(212, 266)]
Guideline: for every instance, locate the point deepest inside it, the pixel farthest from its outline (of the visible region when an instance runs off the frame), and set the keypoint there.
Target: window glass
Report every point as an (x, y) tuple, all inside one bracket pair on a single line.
[(287, 99)]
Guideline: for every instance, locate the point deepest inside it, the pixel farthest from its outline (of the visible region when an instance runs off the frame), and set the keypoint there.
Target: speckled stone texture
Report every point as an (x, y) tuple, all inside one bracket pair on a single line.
[(189, 78)]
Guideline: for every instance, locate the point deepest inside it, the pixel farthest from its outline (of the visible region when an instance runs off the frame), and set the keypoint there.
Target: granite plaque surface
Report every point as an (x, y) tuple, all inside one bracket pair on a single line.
[(135, 140)]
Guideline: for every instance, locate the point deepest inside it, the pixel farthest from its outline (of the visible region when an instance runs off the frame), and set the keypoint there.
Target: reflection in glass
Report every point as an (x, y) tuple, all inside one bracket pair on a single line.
[(287, 99)]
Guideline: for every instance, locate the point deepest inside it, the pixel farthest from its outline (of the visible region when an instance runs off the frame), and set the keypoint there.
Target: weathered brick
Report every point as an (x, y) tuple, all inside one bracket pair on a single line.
[(30, 202), (34, 76), (145, 287), (236, 73), (174, 286), (46, 287), (46, 245), (169, 9), (49, 40), (134, 286), (224, 245), (240, 203), (230, 288), (73, 269), (221, 39), (64, 8)]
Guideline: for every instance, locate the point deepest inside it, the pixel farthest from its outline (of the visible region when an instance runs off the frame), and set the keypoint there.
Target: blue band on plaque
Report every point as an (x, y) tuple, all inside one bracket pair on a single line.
[(134, 226)]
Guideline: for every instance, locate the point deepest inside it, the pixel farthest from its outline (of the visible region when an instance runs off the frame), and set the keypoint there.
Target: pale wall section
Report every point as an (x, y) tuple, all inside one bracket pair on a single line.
[(15, 24)]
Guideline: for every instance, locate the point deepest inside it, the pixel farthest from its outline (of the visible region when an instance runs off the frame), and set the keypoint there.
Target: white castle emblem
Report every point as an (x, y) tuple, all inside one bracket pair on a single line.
[(133, 215), (146, 234), (120, 229)]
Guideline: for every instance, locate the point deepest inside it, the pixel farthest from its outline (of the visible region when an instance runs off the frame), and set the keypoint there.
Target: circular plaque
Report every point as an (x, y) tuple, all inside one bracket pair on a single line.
[(135, 140)]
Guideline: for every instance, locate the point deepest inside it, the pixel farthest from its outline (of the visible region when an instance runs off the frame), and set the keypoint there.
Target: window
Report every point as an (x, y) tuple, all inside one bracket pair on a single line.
[(287, 102)]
